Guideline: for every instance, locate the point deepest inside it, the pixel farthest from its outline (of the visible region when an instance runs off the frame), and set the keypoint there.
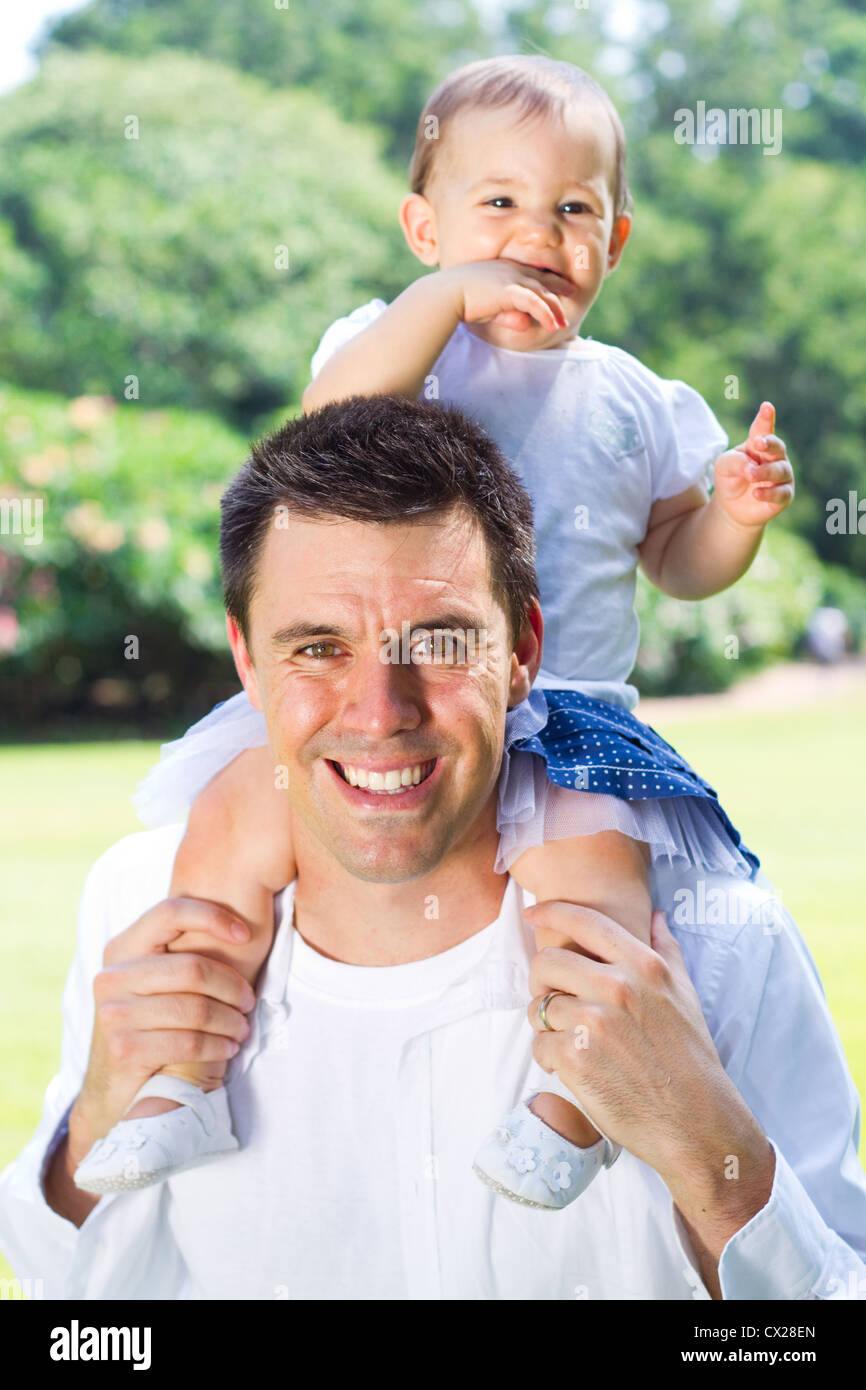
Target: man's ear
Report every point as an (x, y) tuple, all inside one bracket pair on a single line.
[(243, 663), (526, 657), (618, 238), (418, 221)]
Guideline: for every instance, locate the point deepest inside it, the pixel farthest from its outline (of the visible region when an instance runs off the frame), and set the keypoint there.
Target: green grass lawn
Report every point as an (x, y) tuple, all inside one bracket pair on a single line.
[(790, 781)]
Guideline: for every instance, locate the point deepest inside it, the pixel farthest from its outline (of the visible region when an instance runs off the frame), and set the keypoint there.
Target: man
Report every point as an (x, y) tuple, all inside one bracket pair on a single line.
[(391, 1028)]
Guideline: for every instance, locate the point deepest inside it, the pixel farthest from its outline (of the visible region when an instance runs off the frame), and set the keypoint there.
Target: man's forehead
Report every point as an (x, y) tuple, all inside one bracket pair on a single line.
[(435, 557)]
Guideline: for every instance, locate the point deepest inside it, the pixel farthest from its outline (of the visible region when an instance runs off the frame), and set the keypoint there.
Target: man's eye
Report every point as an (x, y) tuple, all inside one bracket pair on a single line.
[(442, 646), (319, 650), (422, 650)]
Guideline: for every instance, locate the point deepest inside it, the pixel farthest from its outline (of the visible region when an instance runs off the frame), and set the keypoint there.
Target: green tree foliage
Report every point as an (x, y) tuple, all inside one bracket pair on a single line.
[(372, 61), (805, 58), (809, 60), (181, 223)]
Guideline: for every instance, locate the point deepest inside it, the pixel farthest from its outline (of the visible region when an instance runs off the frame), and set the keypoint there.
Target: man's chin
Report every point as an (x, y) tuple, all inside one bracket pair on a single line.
[(387, 863)]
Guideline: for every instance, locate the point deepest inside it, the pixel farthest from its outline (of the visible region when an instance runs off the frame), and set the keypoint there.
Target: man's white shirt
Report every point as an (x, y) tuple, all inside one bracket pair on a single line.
[(362, 1094)]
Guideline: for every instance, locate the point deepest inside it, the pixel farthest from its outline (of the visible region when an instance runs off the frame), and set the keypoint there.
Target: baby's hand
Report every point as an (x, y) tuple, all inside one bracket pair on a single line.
[(508, 293), (755, 480)]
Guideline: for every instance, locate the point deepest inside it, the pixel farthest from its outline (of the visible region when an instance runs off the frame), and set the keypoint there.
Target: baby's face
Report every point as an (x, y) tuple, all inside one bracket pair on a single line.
[(539, 192)]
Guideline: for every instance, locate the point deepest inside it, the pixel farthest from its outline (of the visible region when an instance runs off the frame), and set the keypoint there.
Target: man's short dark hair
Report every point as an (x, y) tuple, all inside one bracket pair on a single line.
[(380, 459)]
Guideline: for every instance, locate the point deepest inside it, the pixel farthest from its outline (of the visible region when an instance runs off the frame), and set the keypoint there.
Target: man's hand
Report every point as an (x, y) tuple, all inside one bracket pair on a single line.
[(755, 481), (630, 1040), (155, 1007)]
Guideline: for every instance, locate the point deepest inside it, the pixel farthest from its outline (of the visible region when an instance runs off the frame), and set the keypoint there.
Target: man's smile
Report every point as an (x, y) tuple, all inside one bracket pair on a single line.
[(391, 779), (406, 783)]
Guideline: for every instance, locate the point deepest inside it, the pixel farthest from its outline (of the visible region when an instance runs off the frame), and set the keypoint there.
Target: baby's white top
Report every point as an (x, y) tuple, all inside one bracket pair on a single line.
[(596, 438)]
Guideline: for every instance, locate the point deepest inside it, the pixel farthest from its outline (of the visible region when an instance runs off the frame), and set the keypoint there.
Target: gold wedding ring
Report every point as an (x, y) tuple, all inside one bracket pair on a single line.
[(542, 1010)]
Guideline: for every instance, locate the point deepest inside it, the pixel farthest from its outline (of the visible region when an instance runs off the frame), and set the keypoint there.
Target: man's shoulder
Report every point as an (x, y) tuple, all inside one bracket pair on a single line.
[(701, 903), (131, 876), (744, 953), (143, 850), (725, 927)]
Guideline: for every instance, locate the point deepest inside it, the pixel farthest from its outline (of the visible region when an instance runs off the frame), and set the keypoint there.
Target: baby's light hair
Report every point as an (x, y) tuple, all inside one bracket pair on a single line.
[(536, 85)]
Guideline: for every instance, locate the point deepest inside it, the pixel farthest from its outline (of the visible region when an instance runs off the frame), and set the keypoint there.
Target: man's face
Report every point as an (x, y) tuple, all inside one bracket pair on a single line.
[(538, 191), (425, 735)]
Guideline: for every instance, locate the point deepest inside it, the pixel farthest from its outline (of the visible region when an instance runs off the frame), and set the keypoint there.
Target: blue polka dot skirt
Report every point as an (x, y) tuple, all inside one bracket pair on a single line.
[(574, 765)]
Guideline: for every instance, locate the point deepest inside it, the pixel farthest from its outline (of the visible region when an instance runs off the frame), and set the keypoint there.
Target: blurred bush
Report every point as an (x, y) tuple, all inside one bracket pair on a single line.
[(112, 605)]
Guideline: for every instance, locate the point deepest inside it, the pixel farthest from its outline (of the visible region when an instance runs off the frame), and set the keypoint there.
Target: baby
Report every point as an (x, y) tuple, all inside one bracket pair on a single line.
[(519, 198)]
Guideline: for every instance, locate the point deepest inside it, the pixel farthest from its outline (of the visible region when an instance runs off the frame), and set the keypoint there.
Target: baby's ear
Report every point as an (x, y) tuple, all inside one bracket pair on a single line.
[(418, 221), (618, 237)]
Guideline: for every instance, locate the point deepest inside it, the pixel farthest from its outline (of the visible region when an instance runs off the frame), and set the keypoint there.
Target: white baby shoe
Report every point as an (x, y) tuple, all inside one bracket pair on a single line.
[(527, 1161), (138, 1153)]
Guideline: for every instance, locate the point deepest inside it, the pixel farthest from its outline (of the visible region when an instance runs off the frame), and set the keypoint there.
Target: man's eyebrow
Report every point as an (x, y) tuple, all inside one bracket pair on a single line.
[(301, 631), (461, 619)]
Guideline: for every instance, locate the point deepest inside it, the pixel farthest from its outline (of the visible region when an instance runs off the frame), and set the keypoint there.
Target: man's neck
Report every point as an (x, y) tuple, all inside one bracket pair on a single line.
[(363, 923)]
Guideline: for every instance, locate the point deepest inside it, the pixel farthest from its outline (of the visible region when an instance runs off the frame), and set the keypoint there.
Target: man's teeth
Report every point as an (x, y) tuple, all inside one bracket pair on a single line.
[(395, 780)]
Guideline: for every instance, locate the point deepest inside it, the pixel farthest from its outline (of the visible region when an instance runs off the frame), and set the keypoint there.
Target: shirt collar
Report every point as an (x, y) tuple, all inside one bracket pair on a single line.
[(500, 979)]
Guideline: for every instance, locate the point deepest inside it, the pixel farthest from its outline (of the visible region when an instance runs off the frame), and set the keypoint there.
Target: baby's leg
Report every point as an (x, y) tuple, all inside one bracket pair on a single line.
[(608, 872), (237, 851)]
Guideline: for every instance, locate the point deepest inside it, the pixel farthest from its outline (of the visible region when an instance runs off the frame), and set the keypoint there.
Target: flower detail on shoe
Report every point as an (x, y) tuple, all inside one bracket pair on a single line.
[(141, 1153), (557, 1176), (520, 1158), (536, 1167)]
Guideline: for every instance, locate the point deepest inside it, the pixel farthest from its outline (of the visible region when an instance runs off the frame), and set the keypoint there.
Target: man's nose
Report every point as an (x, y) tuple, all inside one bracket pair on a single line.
[(382, 698)]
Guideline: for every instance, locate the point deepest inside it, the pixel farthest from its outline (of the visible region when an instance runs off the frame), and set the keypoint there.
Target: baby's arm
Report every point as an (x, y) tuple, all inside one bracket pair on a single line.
[(695, 547), (394, 355)]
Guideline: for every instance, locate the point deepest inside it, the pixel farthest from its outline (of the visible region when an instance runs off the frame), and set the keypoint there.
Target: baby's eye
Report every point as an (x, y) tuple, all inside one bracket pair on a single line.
[(319, 650), (502, 200), (576, 207)]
